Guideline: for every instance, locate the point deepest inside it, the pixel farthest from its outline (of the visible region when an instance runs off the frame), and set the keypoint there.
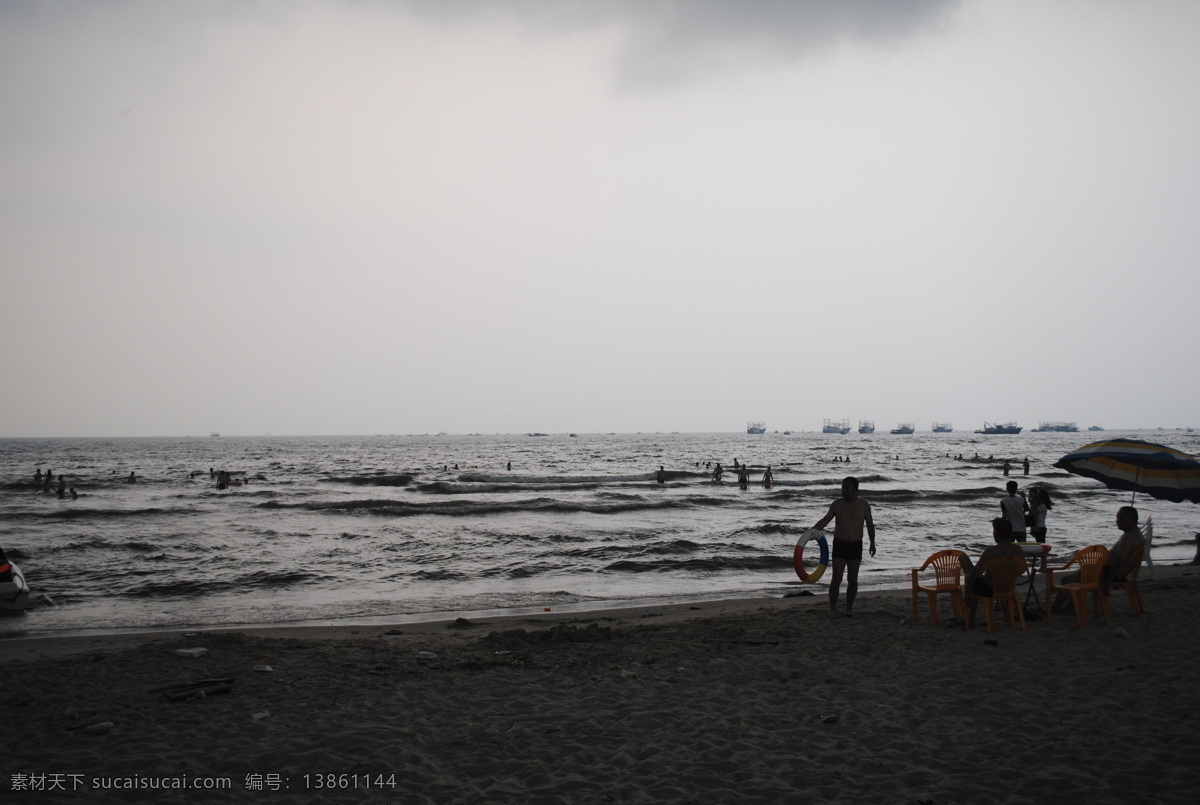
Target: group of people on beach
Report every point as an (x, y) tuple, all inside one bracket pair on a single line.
[(853, 515)]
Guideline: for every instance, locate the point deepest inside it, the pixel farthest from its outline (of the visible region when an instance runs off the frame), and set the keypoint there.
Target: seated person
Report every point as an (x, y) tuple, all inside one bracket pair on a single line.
[(978, 583), (1119, 564)]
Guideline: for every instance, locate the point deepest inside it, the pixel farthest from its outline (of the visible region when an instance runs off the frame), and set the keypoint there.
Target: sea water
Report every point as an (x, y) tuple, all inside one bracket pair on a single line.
[(361, 529)]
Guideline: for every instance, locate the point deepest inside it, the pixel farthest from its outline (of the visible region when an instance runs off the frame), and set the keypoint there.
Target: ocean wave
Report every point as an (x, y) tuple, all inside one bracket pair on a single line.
[(452, 488), (781, 528), (372, 480), (470, 508), (705, 564), (89, 514), (439, 575), (73, 546), (154, 586), (573, 481)]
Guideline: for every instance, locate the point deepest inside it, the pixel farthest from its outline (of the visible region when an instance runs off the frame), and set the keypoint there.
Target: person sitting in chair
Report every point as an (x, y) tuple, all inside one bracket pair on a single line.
[(977, 583), (1119, 564)]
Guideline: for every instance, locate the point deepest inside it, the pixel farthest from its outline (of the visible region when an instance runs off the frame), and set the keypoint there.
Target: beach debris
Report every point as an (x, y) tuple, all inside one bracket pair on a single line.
[(199, 651), (799, 594), (461, 623), (426, 655), (563, 633), (503, 652), (195, 690), (991, 642), (1119, 632), (829, 718), (263, 669), (393, 632), (99, 728), (260, 715), (627, 674)]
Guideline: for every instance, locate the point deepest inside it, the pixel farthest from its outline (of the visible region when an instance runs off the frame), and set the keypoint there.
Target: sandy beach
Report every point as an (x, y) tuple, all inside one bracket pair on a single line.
[(758, 701)]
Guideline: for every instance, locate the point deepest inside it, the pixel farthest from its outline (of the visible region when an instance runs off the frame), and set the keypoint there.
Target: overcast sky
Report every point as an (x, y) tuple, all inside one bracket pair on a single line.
[(576, 215)]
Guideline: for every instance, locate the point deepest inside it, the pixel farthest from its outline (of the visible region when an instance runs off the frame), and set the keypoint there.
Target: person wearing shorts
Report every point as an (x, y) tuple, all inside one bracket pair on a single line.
[(848, 550), (853, 514)]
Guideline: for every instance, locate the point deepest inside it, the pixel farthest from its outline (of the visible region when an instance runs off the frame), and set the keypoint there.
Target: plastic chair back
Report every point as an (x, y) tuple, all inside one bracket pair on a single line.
[(1003, 571), (1091, 562), (1091, 565), (1130, 583), (947, 578), (947, 569)]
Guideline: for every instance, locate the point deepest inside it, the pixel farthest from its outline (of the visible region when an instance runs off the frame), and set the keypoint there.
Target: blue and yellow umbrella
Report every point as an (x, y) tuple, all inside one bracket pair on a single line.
[(1153, 469)]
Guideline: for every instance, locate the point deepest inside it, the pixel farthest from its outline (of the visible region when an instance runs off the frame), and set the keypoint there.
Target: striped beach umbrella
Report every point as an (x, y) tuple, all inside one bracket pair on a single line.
[(1153, 469)]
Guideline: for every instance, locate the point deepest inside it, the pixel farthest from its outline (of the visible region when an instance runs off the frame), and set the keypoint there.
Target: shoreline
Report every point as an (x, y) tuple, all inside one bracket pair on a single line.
[(22, 645)]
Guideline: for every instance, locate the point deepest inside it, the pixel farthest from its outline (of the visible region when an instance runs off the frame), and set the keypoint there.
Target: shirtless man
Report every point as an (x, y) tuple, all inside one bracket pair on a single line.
[(852, 513)]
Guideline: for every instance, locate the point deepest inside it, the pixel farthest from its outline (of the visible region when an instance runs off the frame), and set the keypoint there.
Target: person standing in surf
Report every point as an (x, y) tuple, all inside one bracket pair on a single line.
[(852, 513)]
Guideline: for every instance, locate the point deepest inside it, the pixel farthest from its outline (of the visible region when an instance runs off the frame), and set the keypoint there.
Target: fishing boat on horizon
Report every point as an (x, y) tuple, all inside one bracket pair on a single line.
[(866, 426), (836, 426), (1056, 427), (1008, 428), (904, 428), (943, 427), (756, 427)]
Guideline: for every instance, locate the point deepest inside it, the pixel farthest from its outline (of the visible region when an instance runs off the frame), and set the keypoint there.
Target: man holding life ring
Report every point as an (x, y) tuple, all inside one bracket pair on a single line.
[(852, 513)]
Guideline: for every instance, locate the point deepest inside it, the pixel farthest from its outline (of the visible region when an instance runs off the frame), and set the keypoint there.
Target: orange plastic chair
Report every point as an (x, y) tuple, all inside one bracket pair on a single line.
[(947, 578), (1090, 561), (1130, 584), (1003, 571)]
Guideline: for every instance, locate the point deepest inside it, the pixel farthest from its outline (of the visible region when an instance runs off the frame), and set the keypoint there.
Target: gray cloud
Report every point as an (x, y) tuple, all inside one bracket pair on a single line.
[(666, 43)]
